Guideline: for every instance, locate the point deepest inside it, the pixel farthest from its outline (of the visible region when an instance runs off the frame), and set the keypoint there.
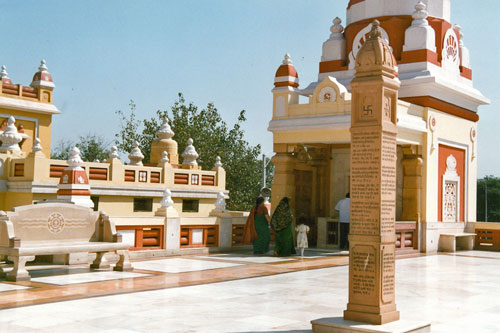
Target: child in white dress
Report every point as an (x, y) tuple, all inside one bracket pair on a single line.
[(302, 231)]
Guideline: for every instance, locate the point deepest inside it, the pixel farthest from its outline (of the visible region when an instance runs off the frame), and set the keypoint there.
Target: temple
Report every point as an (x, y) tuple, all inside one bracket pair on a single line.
[(436, 116), (136, 196)]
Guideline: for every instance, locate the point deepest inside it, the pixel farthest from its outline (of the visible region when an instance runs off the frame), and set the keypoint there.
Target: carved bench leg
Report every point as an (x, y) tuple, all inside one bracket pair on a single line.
[(3, 272), (123, 263), (19, 272), (100, 262)]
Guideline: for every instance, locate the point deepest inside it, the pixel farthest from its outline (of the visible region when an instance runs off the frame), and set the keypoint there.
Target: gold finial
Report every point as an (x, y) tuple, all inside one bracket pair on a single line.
[(375, 32)]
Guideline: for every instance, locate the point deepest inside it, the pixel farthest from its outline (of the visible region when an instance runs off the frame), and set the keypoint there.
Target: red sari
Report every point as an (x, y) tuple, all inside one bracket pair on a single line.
[(249, 233)]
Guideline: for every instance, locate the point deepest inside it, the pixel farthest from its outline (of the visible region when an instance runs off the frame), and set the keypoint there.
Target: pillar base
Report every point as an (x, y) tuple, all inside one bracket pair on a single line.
[(340, 325), (371, 318)]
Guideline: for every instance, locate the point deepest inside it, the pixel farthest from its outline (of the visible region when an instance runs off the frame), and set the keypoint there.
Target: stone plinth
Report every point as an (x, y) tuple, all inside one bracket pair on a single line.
[(339, 325)]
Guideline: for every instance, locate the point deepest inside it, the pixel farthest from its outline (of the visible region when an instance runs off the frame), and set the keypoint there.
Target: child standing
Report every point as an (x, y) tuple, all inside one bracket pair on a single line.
[(302, 231)]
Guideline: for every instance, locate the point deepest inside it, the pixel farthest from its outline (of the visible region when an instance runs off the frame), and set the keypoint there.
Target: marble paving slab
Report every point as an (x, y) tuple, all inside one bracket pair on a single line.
[(86, 277), (247, 258), (179, 265), (10, 287), (482, 254)]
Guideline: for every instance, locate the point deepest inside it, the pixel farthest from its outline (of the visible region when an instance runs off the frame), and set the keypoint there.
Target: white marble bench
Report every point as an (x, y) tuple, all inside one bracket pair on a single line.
[(55, 229), (448, 241)]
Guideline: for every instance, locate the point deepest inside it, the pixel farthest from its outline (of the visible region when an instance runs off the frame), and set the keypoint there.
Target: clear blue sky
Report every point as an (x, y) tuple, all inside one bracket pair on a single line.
[(101, 54)]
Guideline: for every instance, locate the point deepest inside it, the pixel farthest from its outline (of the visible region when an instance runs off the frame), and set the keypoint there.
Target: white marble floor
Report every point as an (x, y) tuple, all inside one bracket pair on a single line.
[(180, 265), (456, 293), (86, 277), (4, 286), (248, 258)]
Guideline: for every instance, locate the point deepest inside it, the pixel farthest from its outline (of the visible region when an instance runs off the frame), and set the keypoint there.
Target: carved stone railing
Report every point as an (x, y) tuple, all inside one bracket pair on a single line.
[(37, 168)]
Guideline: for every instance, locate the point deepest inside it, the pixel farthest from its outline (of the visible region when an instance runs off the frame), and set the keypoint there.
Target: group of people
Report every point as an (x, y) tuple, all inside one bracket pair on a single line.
[(257, 231), (257, 228)]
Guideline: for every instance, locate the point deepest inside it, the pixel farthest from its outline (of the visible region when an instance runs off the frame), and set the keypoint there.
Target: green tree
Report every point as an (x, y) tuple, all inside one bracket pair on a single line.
[(212, 137), (92, 147), (488, 187)]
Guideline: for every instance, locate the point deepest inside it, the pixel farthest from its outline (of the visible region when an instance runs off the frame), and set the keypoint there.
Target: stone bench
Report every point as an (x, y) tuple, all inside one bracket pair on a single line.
[(448, 241), (57, 229)]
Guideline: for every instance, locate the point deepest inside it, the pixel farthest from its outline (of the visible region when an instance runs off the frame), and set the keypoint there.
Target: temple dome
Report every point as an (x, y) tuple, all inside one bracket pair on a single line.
[(42, 77), (286, 75)]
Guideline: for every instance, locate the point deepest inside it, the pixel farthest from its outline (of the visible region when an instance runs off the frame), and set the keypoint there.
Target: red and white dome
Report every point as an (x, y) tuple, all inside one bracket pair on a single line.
[(42, 78), (286, 75)]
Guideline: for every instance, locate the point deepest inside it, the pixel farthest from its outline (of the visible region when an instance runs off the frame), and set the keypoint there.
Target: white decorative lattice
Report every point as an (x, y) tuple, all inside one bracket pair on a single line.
[(451, 191)]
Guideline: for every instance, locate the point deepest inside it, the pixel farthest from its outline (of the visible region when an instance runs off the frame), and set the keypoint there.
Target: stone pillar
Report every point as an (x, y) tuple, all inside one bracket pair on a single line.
[(373, 184), (284, 179), (412, 183)]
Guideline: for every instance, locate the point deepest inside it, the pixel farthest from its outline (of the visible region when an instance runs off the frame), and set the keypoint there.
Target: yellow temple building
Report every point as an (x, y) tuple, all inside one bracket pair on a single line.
[(138, 197), (437, 114)]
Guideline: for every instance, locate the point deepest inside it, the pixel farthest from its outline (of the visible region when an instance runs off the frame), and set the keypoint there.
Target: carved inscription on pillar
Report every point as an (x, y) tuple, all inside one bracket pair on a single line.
[(388, 262), (364, 272), (365, 182), (388, 184)]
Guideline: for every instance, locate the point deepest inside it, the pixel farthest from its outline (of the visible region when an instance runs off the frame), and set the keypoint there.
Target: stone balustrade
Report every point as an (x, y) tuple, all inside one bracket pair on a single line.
[(36, 168)]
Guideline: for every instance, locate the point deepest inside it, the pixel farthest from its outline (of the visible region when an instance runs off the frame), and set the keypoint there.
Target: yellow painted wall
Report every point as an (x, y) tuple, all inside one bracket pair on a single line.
[(44, 128), (450, 130)]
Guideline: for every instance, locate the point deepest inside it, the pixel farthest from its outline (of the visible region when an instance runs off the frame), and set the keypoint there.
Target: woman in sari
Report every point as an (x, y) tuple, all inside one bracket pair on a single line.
[(257, 228), (281, 222)]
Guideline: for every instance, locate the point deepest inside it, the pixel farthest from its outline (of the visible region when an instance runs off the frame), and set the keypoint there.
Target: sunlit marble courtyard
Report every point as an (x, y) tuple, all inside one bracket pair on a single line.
[(239, 292)]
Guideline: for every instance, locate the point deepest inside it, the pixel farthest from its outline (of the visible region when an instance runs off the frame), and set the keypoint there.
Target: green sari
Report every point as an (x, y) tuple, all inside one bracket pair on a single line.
[(281, 222), (261, 244)]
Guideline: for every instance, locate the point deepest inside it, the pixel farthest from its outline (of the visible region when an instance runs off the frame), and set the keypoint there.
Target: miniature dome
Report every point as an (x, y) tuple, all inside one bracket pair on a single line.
[(42, 77), (286, 75), (375, 55)]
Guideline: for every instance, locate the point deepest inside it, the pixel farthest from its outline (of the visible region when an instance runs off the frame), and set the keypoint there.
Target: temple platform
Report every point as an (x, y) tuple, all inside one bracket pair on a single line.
[(240, 292)]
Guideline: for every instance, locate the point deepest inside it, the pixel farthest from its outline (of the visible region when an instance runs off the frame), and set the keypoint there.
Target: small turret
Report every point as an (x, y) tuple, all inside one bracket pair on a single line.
[(286, 75), (74, 184), (42, 80), (164, 142)]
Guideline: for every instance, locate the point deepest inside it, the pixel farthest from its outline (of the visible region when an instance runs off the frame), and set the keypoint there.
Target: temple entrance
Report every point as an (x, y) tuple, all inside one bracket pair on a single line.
[(303, 203)]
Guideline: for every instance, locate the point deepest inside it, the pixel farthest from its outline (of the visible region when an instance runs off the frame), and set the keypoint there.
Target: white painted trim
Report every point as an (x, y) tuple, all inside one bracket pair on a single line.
[(26, 119), (30, 106), (310, 123), (73, 186), (286, 79), (286, 89), (411, 123), (43, 84)]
